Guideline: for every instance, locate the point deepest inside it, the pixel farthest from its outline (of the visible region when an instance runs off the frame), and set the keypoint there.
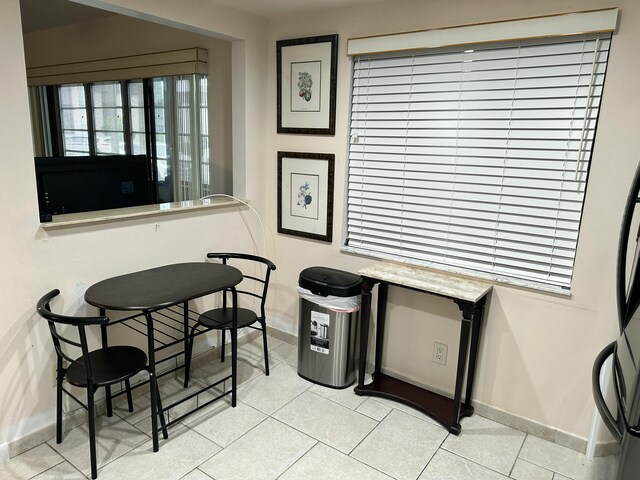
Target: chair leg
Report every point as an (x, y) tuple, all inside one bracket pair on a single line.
[(59, 379), (263, 323), (223, 345), (92, 431), (187, 361), (107, 394), (127, 385)]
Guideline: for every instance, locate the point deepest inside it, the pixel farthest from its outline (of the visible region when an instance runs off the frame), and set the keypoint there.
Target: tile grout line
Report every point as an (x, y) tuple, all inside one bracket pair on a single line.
[(440, 447), (368, 434), (146, 439), (301, 456), (271, 416), (52, 466), (526, 435)]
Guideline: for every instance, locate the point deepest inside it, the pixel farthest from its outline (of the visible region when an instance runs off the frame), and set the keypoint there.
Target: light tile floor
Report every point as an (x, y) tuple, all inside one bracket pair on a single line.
[(287, 428)]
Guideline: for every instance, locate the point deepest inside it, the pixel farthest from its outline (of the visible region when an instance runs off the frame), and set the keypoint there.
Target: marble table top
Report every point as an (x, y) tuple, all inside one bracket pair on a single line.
[(438, 283)]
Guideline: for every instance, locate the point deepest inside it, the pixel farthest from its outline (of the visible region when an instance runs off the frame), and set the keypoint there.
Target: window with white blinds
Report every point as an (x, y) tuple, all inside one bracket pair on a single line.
[(475, 158)]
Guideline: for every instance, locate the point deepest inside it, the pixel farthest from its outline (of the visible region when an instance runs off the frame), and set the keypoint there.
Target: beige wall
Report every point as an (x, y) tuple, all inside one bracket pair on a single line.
[(34, 260), (118, 35), (537, 349)]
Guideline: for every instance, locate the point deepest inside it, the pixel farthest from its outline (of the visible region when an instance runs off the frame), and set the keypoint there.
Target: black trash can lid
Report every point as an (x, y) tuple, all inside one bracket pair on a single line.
[(329, 281)]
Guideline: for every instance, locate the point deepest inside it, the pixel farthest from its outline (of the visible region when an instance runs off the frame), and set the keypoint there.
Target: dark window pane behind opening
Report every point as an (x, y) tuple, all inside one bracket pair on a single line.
[(114, 118)]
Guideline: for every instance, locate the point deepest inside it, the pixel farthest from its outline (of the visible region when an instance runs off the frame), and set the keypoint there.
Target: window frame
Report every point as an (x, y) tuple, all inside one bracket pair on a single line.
[(53, 124)]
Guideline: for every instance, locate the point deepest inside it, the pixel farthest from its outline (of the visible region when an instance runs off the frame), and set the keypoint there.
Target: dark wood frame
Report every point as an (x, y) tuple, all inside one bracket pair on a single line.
[(333, 40), (330, 158)]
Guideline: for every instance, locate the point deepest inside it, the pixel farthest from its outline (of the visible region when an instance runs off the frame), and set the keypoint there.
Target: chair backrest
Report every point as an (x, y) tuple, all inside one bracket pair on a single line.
[(64, 343), (261, 281)]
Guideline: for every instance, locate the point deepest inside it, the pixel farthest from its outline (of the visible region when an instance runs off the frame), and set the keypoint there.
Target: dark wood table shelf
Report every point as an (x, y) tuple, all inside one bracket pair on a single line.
[(433, 404), (469, 295)]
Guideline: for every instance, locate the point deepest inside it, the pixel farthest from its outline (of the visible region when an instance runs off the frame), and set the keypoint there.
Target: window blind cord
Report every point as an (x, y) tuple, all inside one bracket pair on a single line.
[(364, 149), (587, 107), (573, 110), (566, 161), (404, 159), (361, 129), (455, 157), (506, 156), (262, 229)]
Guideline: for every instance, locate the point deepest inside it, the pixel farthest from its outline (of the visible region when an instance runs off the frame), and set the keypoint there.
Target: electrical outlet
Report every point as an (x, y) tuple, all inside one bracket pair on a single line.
[(440, 353), (53, 375)]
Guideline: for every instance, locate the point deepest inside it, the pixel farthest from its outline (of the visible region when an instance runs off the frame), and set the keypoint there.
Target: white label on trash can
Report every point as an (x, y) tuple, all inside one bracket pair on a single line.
[(320, 332)]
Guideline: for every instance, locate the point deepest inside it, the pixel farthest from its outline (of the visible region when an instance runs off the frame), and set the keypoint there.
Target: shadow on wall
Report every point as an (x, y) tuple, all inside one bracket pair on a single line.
[(31, 355)]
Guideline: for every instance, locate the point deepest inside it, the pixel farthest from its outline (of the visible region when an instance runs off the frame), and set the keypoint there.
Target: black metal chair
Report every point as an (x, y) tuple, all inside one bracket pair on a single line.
[(103, 367), (221, 318)]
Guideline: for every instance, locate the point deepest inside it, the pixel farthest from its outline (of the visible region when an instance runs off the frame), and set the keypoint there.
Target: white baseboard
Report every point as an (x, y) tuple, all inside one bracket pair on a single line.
[(46, 430), (4, 452), (566, 439)]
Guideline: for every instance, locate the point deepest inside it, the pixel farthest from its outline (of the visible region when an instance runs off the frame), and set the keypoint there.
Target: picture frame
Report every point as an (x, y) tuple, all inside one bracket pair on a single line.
[(306, 84), (305, 194)]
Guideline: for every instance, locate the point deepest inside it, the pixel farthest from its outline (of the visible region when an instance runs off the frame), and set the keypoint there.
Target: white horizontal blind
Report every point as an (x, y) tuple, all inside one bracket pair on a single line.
[(476, 159)]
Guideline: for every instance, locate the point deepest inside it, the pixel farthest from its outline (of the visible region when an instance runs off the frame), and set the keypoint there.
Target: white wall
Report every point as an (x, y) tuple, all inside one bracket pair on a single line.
[(537, 349)]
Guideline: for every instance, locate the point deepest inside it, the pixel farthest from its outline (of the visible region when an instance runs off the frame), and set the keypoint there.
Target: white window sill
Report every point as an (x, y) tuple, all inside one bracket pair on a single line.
[(104, 216)]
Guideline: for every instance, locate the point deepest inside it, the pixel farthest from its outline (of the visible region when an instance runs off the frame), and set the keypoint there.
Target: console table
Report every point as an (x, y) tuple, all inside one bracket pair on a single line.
[(469, 295)]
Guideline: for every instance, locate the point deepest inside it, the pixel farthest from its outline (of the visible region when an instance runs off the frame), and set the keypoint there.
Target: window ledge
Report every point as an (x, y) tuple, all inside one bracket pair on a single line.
[(461, 272), (104, 216)]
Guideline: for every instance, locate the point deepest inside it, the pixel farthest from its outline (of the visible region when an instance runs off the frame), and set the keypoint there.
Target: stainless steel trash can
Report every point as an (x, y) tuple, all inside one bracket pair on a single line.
[(328, 323)]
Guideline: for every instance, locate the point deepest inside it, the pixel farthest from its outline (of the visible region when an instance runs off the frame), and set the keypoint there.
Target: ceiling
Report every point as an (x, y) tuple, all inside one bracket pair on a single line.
[(277, 8), (44, 14)]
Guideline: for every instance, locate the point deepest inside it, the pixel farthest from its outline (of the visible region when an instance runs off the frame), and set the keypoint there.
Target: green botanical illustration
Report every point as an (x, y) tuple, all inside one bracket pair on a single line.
[(304, 85)]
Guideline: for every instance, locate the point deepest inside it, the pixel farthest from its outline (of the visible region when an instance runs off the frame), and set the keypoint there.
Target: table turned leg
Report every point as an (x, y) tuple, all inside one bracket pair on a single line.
[(467, 309), (381, 316), (365, 314), (476, 324)]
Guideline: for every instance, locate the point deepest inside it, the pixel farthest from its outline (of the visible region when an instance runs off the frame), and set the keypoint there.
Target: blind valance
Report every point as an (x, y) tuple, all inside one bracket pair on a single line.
[(162, 64), (536, 27)]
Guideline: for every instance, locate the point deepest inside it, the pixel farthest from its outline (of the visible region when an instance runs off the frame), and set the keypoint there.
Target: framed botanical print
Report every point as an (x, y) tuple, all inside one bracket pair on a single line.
[(305, 194), (307, 77)]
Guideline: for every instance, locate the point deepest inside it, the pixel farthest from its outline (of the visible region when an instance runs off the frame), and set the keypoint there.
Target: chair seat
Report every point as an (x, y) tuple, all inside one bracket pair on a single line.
[(110, 365), (221, 318)]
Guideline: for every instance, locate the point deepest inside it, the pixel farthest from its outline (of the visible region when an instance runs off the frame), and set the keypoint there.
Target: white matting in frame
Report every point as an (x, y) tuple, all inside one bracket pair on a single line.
[(305, 194)]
